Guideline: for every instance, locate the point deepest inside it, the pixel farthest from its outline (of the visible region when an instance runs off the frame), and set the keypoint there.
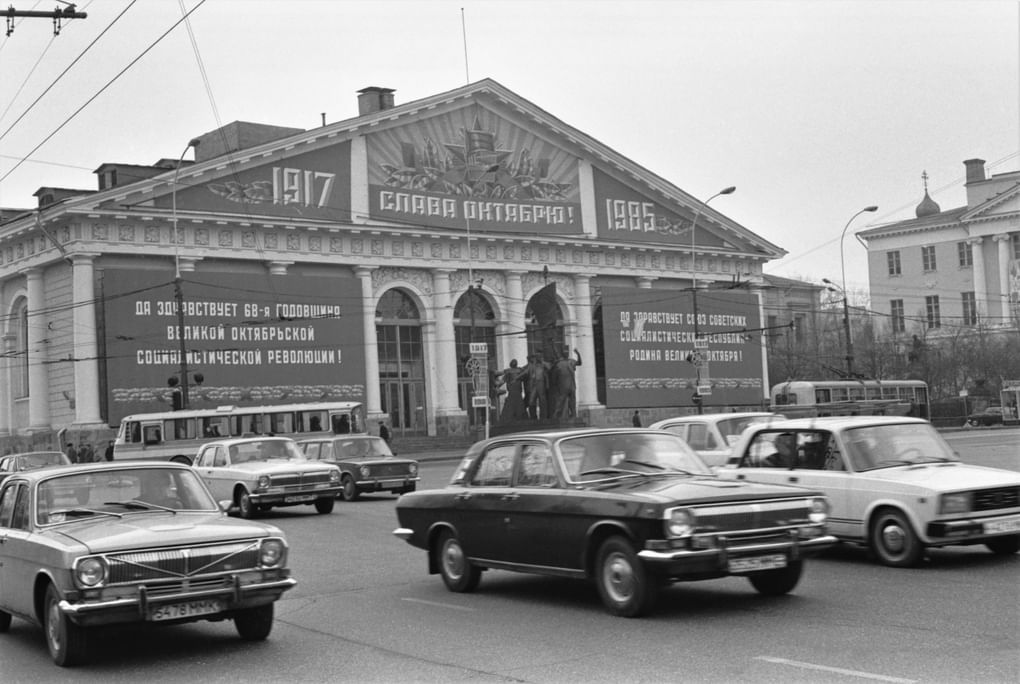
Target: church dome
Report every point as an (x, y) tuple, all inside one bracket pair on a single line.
[(927, 207)]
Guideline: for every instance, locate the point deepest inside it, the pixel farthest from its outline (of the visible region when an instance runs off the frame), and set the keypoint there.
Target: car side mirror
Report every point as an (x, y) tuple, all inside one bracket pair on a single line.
[(225, 505)]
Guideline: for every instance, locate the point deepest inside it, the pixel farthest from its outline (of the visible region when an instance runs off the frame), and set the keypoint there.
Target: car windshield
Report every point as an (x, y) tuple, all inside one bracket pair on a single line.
[(264, 450), (731, 428), (371, 447), (119, 491), (886, 446), (596, 456)]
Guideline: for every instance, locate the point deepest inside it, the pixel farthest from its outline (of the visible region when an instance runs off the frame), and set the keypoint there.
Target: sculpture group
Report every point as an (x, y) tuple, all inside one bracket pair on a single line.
[(541, 390)]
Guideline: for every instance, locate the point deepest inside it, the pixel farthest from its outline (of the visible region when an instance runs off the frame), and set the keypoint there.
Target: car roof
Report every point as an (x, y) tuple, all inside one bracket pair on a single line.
[(46, 473), (335, 436), (246, 440), (716, 417), (839, 422), (563, 433)]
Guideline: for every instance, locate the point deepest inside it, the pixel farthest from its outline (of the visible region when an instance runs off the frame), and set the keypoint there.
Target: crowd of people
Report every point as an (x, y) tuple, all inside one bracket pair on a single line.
[(86, 453)]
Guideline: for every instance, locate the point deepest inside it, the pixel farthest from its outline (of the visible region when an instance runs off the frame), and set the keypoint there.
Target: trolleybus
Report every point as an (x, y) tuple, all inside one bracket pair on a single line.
[(808, 398)]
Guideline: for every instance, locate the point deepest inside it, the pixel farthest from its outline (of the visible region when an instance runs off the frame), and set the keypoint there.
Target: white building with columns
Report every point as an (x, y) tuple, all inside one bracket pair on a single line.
[(360, 260), (947, 269)]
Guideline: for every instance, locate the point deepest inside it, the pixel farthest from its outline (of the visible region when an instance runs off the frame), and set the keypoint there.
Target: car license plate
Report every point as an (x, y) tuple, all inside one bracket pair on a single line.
[(176, 611), (1000, 526), (298, 499), (391, 483), (755, 563)]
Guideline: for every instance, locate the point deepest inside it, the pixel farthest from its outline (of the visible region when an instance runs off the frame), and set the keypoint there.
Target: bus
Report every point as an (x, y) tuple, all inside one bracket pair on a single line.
[(177, 435), (809, 398)]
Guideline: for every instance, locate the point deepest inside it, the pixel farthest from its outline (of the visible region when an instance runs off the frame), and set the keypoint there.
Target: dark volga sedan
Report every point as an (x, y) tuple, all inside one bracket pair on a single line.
[(632, 509), (117, 543)]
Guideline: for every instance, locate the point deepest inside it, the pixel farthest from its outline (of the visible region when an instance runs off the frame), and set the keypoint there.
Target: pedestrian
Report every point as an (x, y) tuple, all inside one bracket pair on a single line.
[(636, 419), (109, 451), (72, 454), (84, 453), (384, 432)]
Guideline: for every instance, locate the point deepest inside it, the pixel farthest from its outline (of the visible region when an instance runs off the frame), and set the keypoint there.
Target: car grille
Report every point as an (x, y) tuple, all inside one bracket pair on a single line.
[(388, 469), (993, 499), (751, 515), (317, 477), (139, 566)]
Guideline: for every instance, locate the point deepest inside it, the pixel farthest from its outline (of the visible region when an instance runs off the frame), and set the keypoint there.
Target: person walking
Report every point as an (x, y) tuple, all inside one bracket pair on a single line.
[(636, 419), (108, 455), (384, 432)]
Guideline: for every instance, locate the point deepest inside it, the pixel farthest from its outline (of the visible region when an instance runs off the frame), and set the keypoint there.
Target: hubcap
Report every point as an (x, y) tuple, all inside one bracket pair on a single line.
[(453, 560), (618, 577), (893, 538)]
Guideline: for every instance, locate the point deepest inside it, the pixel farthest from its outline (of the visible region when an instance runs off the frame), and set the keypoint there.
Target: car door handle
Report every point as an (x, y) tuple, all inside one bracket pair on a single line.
[(793, 479), (511, 497), (463, 497), (741, 477)]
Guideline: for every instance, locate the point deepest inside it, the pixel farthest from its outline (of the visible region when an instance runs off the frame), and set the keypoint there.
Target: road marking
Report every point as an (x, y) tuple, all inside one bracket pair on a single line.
[(837, 670), (438, 605)]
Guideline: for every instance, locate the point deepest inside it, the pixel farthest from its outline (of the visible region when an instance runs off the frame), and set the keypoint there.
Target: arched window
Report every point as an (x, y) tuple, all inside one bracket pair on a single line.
[(473, 321), (19, 365), (401, 361)]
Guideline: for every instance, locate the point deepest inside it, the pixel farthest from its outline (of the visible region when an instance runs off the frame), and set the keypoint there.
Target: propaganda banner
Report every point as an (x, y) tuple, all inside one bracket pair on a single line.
[(253, 340), (652, 359)]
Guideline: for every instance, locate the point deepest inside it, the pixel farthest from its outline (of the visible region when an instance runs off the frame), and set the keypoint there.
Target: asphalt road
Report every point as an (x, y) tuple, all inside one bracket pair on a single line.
[(365, 610)]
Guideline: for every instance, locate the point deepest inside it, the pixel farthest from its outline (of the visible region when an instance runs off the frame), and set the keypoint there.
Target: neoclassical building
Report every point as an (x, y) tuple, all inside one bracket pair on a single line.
[(954, 268), (361, 260)]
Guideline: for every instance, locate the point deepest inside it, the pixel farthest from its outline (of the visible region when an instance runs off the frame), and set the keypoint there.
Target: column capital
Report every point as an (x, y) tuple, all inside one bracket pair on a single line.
[(975, 240), (83, 257), (645, 282), (275, 267), (364, 271), (1003, 237)]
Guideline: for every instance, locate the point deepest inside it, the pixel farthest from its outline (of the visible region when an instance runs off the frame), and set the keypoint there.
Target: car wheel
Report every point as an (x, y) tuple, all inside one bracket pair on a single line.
[(623, 583), (5, 621), (1004, 546), (779, 581), (350, 490), (66, 641), (324, 504), (245, 508), (254, 624), (458, 573), (893, 540)]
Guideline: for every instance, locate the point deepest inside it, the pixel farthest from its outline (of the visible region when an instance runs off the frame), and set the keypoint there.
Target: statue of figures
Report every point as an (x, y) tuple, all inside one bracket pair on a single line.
[(513, 381), (565, 387), (536, 387)]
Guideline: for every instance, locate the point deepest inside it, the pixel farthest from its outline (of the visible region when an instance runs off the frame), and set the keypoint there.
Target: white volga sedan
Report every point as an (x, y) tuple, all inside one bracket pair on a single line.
[(893, 483), (258, 473)]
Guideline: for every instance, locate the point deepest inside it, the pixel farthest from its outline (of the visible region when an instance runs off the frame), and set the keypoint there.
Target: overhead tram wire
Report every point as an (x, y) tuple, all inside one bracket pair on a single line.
[(100, 91)]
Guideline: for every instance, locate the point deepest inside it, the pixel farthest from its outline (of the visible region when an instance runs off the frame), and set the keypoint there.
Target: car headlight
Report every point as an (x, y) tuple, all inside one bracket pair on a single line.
[(955, 503), (334, 476), (412, 468), (273, 552), (91, 571), (818, 510), (365, 471), (264, 481), (681, 523)]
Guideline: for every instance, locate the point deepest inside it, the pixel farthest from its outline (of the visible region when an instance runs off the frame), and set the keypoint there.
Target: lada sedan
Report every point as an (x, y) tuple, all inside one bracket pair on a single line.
[(257, 473), (712, 435), (366, 464), (31, 460), (631, 509), (117, 543), (893, 483)]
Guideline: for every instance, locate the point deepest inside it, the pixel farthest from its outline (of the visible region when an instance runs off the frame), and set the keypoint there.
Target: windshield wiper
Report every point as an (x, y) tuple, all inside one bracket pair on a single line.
[(643, 463), (137, 505), (82, 512)]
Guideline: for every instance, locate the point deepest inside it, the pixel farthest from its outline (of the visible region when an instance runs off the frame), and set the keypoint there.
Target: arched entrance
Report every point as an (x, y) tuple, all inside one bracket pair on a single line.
[(473, 321), (401, 363)]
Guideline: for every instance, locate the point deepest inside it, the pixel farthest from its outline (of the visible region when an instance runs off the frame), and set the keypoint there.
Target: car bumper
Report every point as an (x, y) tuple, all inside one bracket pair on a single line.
[(972, 529), (387, 484), (729, 559), (233, 595), (293, 498)]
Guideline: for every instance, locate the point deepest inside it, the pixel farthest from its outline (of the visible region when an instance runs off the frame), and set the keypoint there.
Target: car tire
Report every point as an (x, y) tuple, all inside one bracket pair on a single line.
[(254, 624), (5, 621), (245, 507), (66, 641), (458, 574), (1001, 546), (349, 488), (893, 540), (779, 581), (324, 504), (623, 582)]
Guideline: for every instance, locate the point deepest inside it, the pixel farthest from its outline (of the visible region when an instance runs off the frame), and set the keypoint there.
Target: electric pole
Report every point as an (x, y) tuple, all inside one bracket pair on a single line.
[(56, 14)]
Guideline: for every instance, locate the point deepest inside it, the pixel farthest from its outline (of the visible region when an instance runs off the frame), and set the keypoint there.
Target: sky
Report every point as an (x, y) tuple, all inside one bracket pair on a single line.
[(812, 109)]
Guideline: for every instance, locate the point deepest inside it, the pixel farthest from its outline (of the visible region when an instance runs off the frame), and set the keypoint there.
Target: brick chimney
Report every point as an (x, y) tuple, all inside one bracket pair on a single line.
[(975, 170), (374, 99)]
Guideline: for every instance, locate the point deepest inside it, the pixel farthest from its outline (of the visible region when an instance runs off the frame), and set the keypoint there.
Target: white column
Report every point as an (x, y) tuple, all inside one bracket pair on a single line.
[(8, 342), (645, 282), (517, 338), (444, 349), (584, 340), (980, 284), (373, 406), (1004, 259), (86, 347), (38, 377)]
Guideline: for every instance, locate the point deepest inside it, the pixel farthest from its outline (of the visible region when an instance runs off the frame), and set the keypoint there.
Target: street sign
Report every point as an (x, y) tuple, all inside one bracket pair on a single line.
[(705, 390), (479, 348), (480, 401)]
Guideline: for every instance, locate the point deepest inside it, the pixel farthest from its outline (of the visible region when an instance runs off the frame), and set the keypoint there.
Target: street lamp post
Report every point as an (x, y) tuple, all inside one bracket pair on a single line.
[(178, 290), (846, 304), (694, 284)]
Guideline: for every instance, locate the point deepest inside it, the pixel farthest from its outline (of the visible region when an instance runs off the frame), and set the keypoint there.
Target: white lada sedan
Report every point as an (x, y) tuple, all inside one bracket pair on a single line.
[(259, 473), (893, 483)]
